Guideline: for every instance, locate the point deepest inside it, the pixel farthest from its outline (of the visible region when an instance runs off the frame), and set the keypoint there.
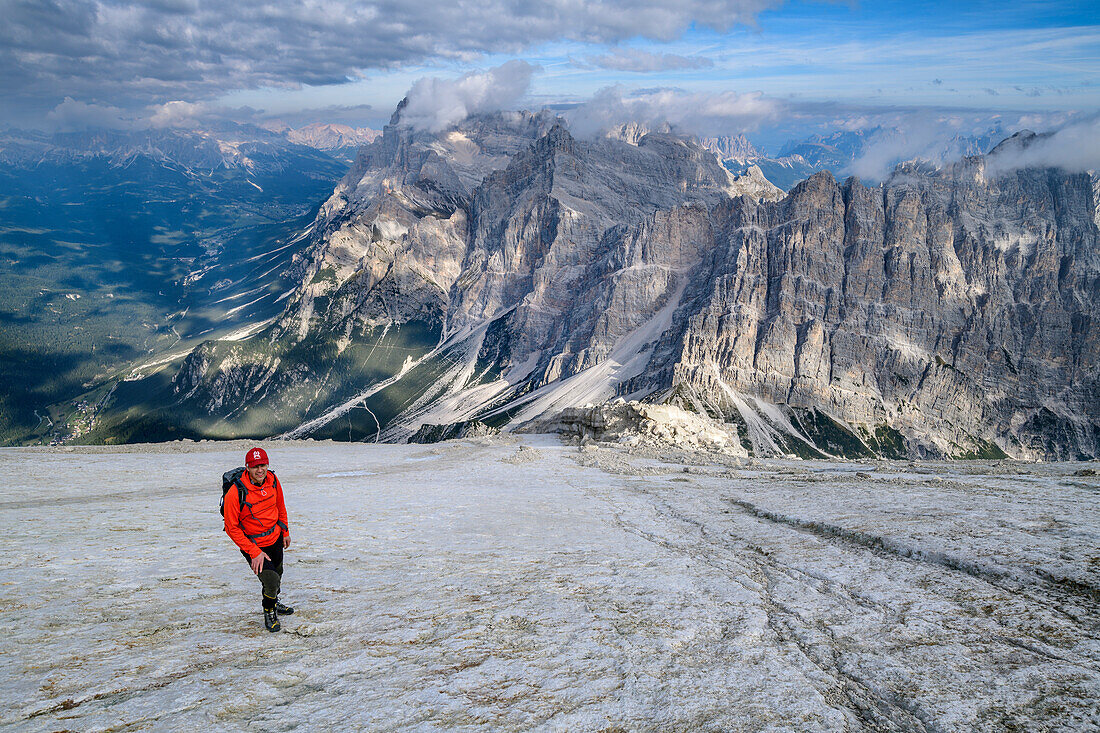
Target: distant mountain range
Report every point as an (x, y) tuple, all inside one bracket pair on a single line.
[(836, 152), (120, 246), (338, 140), (228, 146), (503, 270)]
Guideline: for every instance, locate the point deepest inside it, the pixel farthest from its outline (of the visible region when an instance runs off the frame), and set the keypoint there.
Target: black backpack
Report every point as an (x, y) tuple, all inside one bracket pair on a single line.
[(230, 479)]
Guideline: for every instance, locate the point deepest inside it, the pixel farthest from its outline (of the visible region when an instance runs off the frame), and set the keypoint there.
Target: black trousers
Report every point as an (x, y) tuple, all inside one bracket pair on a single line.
[(271, 572)]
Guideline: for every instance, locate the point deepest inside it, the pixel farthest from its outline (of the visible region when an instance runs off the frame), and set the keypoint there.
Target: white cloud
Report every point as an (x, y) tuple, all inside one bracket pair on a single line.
[(942, 137), (1075, 148), (722, 113), (935, 136), (141, 52), (633, 59), (178, 114), (435, 104), (72, 114)]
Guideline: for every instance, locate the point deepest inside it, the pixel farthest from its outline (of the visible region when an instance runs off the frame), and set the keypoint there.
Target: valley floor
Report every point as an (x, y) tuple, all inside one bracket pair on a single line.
[(514, 584)]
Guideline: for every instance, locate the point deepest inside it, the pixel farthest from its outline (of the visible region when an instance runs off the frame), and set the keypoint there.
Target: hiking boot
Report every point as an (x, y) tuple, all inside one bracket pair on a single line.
[(283, 610), (271, 619)]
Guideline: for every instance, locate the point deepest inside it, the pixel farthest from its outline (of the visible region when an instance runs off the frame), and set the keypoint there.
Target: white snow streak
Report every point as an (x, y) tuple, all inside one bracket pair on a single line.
[(596, 384), (231, 311), (247, 331), (340, 410)]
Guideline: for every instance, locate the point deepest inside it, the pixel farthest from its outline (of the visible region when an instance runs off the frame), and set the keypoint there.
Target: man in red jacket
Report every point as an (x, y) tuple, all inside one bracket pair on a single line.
[(258, 526)]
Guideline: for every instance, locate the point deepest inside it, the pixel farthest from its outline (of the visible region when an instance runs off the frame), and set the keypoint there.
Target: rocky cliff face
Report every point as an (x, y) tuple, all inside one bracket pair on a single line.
[(503, 271), (953, 312), (736, 147)]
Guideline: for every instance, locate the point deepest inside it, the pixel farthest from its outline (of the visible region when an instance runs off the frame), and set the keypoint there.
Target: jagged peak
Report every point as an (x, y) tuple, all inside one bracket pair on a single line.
[(821, 179), (754, 183), (557, 139), (1017, 141), (395, 118), (735, 147)]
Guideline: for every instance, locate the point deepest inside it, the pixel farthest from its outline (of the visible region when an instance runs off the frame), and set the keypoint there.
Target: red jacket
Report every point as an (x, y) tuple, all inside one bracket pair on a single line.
[(262, 520)]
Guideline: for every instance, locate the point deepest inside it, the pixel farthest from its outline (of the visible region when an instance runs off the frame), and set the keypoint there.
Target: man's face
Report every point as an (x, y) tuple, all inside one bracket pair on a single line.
[(258, 473)]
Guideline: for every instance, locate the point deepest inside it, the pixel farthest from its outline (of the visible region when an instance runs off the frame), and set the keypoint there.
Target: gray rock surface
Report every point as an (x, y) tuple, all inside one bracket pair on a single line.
[(637, 424), (958, 310), (735, 147)]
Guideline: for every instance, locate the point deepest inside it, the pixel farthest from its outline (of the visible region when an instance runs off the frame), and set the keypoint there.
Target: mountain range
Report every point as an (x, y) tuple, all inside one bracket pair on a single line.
[(340, 141), (502, 270), (839, 152)]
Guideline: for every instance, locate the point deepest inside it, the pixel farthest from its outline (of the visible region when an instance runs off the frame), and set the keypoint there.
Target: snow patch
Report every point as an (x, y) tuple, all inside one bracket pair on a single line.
[(628, 358), (239, 308), (247, 331)]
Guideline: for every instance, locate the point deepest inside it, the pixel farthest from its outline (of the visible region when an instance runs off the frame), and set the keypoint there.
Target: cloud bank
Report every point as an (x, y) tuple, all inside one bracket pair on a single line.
[(723, 113), (72, 115), (138, 52), (932, 136), (1075, 148), (435, 104), (179, 114), (946, 136)]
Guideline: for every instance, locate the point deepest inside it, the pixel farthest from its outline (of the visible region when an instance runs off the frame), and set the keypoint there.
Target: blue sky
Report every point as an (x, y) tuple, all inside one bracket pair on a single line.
[(352, 61), (991, 56)]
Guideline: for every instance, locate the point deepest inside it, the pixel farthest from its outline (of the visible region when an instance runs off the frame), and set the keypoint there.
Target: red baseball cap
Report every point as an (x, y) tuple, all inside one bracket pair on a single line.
[(255, 457)]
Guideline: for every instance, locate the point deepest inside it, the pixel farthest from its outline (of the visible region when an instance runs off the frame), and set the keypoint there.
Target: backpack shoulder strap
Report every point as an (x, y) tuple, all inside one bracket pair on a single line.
[(278, 491), (242, 492)]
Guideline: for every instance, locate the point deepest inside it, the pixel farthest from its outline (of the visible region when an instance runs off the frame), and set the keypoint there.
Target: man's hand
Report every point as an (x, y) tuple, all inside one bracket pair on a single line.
[(286, 540), (258, 562)]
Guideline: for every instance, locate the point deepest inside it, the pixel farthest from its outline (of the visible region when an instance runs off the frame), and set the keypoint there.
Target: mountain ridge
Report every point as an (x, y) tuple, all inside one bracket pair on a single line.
[(503, 269)]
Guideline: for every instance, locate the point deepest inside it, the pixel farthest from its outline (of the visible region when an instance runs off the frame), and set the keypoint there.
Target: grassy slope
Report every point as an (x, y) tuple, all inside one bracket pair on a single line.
[(94, 260)]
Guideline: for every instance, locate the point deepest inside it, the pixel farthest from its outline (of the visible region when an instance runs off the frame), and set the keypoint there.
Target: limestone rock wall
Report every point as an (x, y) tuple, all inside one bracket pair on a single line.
[(958, 310), (946, 312)]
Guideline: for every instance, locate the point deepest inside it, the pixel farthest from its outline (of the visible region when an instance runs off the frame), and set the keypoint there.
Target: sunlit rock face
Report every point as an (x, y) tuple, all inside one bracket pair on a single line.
[(735, 147), (958, 311), (506, 270)]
